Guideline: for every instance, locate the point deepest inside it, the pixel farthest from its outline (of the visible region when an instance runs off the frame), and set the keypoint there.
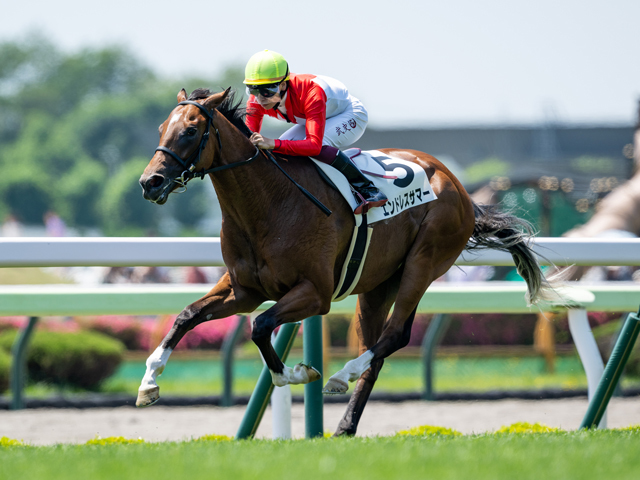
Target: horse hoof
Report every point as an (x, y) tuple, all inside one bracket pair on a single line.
[(312, 374), (146, 398), (335, 386)]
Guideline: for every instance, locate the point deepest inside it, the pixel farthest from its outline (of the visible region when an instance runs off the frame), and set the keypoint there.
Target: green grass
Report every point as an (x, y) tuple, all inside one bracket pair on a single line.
[(191, 377), (584, 455)]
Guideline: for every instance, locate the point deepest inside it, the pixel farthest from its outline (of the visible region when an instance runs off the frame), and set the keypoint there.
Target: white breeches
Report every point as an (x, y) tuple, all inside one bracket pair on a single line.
[(341, 130)]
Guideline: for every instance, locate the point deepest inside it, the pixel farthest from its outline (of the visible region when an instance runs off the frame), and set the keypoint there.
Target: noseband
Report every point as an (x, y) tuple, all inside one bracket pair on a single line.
[(190, 163)]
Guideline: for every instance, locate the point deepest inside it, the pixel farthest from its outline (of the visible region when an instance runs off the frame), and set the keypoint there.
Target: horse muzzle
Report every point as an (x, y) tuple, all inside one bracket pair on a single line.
[(156, 188)]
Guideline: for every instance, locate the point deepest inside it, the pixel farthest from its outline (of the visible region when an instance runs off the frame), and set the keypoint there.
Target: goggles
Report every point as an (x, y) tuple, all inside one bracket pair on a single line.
[(266, 91)]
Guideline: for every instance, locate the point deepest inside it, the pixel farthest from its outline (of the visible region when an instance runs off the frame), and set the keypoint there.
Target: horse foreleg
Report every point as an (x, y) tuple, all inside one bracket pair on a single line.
[(372, 310), (300, 302), (222, 301)]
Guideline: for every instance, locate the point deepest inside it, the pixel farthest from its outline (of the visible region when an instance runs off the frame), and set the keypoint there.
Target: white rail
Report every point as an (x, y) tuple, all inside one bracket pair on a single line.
[(117, 251), (69, 299)]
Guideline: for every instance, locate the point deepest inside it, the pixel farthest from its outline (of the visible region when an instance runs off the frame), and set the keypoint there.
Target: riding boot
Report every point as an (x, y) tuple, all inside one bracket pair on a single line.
[(368, 194)]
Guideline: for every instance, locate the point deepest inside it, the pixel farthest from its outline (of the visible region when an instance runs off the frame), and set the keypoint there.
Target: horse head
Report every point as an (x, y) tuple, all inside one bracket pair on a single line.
[(184, 150)]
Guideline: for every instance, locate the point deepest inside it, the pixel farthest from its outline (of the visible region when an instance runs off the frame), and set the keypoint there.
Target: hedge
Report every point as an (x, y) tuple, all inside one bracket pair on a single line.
[(76, 359)]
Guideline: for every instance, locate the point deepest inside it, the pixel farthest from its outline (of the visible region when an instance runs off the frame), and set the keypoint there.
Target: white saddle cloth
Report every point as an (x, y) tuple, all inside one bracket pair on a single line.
[(404, 183)]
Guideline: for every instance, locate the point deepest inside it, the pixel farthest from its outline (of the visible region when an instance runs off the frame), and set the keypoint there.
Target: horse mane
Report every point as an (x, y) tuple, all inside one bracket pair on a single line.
[(231, 108)]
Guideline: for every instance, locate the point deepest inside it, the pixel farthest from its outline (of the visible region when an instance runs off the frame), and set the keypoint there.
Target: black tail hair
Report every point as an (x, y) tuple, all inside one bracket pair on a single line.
[(499, 230)]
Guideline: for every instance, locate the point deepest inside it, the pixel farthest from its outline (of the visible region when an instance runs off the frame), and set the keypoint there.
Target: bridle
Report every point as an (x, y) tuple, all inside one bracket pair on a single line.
[(190, 163)]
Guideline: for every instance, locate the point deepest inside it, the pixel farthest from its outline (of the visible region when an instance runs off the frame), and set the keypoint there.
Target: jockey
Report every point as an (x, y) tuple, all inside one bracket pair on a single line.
[(325, 117)]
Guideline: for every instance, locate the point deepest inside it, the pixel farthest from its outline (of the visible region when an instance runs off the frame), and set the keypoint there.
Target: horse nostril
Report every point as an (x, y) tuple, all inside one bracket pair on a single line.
[(155, 181)]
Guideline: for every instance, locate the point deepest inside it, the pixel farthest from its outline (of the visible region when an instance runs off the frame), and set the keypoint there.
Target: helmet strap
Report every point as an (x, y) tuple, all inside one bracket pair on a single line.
[(275, 108)]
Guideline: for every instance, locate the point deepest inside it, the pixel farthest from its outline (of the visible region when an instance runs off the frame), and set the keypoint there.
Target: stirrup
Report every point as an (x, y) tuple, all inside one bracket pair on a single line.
[(363, 205)]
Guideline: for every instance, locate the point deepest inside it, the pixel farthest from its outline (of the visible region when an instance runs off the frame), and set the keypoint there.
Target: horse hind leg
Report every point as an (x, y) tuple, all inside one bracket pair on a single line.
[(372, 311), (436, 248), (354, 369), (364, 385), (373, 308), (434, 252)]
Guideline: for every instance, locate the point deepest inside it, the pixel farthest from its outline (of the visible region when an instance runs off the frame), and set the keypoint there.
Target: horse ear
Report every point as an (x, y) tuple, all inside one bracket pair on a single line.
[(216, 99), (182, 95)]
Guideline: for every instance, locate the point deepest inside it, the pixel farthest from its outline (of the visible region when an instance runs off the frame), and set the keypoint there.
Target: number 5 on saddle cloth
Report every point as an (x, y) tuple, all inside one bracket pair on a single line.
[(405, 184)]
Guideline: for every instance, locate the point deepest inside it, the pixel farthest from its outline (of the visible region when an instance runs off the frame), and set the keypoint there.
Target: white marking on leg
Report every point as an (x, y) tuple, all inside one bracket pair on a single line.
[(280, 379), (352, 371), (155, 366), (300, 374)]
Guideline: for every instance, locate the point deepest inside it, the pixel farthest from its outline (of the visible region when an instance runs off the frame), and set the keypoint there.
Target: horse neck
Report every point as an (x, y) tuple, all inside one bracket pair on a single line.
[(248, 194)]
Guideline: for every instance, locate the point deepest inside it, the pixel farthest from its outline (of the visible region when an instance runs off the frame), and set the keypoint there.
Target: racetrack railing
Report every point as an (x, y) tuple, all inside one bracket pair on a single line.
[(124, 251), (132, 299)]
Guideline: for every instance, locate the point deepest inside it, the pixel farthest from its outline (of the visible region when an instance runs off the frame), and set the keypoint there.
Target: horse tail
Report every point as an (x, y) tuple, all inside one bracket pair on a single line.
[(500, 230)]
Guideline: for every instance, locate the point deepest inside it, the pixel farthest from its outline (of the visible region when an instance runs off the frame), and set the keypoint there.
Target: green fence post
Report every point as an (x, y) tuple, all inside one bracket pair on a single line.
[(228, 346), (617, 392), (19, 364), (436, 329), (262, 392), (612, 372), (313, 400)]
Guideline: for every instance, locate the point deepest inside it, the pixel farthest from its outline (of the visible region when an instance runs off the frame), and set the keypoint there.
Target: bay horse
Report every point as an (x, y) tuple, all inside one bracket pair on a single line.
[(278, 246)]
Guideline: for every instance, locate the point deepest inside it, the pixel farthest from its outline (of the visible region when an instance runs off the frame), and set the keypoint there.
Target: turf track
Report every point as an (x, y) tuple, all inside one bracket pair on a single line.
[(581, 455)]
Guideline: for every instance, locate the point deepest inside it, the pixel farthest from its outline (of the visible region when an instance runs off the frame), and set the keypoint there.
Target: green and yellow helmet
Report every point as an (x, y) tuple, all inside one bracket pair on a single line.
[(265, 68)]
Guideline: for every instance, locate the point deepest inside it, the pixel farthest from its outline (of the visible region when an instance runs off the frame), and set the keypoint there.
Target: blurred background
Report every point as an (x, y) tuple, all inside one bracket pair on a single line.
[(498, 91), (531, 105)]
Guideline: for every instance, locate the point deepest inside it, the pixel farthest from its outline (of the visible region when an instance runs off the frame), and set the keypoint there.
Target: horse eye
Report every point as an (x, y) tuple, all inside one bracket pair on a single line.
[(191, 131)]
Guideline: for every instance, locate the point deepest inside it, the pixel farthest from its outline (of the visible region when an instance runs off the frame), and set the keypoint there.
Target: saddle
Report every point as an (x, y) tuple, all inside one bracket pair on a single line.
[(405, 184)]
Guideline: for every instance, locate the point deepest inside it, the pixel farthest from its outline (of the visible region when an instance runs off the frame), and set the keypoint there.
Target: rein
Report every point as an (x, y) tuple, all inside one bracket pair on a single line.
[(304, 191), (190, 163)]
